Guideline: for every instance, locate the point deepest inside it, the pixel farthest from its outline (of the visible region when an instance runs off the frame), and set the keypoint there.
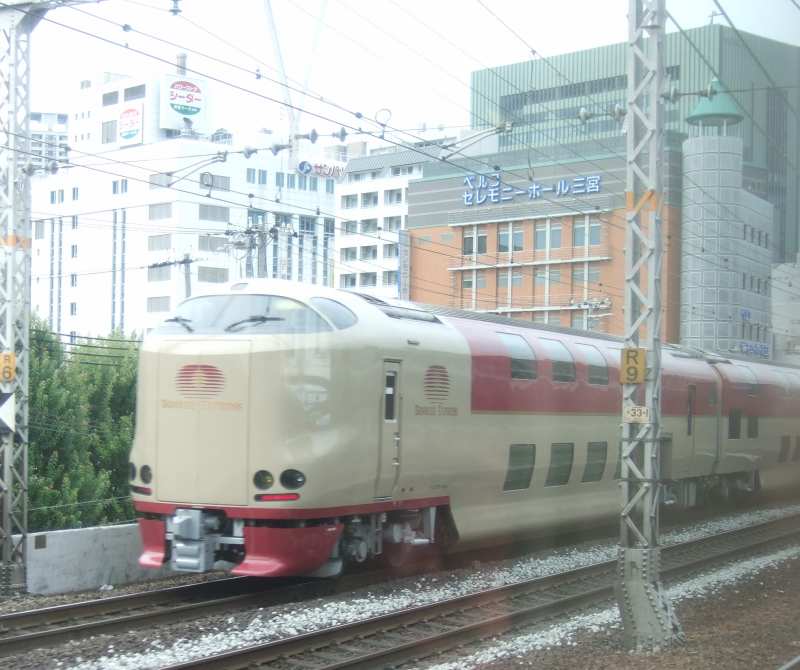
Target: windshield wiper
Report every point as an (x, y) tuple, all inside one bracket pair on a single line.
[(181, 320), (255, 318)]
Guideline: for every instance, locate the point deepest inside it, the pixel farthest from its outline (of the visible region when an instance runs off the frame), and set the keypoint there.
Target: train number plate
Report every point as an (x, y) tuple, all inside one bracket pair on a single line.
[(636, 414)]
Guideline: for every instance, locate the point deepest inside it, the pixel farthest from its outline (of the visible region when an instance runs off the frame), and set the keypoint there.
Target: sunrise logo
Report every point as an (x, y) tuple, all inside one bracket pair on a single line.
[(436, 384), (199, 380)]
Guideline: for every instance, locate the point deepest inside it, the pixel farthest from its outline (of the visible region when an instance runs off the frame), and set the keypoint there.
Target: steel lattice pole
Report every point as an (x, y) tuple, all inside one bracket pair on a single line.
[(646, 613)]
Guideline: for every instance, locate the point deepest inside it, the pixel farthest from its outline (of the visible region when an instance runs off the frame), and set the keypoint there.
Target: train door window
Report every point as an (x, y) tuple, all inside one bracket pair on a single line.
[(796, 454), (786, 443), (523, 360), (690, 401), (390, 396), (596, 455), (561, 457), (521, 459), (735, 424), (752, 426), (596, 366), (563, 363)]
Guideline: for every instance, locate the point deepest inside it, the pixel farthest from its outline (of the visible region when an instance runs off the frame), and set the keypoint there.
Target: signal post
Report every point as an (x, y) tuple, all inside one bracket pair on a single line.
[(648, 619)]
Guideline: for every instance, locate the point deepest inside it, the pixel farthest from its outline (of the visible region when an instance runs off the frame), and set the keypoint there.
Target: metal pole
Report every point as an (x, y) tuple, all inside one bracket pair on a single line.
[(187, 274), (648, 619)]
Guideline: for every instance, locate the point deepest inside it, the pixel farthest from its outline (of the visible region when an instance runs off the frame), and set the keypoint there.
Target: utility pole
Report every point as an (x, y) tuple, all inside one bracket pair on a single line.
[(648, 619), (187, 274)]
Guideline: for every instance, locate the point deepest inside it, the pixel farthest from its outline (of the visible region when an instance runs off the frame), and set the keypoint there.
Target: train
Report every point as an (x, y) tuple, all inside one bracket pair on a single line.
[(285, 429)]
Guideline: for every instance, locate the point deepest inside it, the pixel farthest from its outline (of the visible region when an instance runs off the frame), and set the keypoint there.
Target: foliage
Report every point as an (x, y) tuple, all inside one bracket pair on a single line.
[(81, 413)]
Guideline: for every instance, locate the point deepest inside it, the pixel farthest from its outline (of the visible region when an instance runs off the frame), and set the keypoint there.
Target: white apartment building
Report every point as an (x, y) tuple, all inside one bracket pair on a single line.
[(372, 209), (148, 213), (785, 295), (49, 139)]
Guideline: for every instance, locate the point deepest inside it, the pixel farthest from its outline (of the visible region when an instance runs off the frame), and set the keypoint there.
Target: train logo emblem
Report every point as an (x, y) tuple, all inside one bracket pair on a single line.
[(436, 384), (199, 380)]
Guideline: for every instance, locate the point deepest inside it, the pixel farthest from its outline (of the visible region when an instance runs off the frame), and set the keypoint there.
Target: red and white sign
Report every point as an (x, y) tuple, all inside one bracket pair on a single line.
[(130, 125), (183, 103)]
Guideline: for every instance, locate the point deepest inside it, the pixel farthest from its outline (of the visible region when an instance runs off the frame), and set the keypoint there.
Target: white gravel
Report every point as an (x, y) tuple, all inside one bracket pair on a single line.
[(564, 633), (265, 625)]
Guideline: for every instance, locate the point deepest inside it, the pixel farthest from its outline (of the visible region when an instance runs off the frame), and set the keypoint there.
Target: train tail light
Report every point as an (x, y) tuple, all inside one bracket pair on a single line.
[(142, 490), (276, 497)]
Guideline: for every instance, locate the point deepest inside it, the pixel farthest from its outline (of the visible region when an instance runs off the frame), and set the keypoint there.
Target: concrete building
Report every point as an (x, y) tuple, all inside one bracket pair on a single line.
[(543, 97), (548, 249), (149, 211), (49, 138), (785, 294), (726, 237)]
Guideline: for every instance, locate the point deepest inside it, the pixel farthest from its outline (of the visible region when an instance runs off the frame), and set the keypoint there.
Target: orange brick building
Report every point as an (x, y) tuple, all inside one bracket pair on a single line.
[(551, 256)]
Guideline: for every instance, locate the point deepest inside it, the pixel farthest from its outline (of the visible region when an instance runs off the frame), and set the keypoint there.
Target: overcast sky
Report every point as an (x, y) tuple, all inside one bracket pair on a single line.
[(364, 56)]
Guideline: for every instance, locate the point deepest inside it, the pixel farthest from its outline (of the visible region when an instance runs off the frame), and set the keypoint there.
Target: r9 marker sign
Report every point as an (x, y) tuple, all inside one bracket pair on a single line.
[(633, 366)]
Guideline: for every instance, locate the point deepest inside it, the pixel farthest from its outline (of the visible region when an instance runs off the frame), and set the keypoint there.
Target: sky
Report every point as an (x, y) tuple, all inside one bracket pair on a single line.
[(405, 62)]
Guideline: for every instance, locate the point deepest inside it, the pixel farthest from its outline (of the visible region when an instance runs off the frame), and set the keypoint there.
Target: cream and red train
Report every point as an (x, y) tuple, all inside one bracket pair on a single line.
[(288, 430)]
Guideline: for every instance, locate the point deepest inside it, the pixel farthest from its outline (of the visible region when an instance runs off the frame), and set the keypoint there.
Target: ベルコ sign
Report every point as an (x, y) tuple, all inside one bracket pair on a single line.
[(481, 189)]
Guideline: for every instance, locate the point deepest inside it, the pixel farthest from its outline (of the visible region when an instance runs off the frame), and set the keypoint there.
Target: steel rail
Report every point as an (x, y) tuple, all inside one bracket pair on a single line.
[(407, 635)]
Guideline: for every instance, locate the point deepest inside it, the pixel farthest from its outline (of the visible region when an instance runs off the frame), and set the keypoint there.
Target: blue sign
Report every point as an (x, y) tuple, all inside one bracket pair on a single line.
[(754, 349), (481, 189), (304, 167)]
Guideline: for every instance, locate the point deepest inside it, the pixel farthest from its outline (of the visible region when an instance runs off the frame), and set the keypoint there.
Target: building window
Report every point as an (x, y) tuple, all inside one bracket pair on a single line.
[(561, 457), (347, 281), (39, 230), (540, 236), (368, 253), (218, 182), (596, 456), (110, 98), (393, 196), (390, 277), (212, 275), (369, 226), (313, 183), (161, 210), (308, 225), (521, 461), (390, 251), (251, 176), (578, 233), (349, 227), (523, 360), (399, 170), (329, 186), (470, 246), (555, 235), (290, 180), (466, 280), (73, 309), (61, 195), (279, 178), (214, 213), (302, 182), (159, 273), (375, 174), (594, 274), (594, 232), (561, 359), (134, 92), (355, 177), (368, 279), (262, 177), (369, 199), (74, 192), (502, 280), (349, 201), (73, 280), (73, 251), (158, 304), (391, 224), (52, 197), (215, 243), (349, 254), (159, 242), (108, 132)]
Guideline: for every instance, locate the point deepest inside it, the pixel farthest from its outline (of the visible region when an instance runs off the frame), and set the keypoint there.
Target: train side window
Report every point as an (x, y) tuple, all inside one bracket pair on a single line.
[(339, 315), (563, 363), (735, 424), (690, 400), (561, 457), (796, 454), (752, 426), (523, 360), (786, 443), (596, 366), (596, 455), (390, 397), (521, 459)]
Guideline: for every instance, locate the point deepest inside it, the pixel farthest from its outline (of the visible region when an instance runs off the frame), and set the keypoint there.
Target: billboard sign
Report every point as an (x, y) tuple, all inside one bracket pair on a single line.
[(321, 169), (130, 125), (183, 102)]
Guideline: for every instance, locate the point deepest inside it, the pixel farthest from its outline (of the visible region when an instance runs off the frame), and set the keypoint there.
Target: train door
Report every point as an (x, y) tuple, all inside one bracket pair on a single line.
[(389, 449), (691, 437)]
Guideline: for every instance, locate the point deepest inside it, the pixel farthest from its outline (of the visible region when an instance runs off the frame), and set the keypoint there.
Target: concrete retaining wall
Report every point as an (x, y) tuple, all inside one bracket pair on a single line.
[(60, 561)]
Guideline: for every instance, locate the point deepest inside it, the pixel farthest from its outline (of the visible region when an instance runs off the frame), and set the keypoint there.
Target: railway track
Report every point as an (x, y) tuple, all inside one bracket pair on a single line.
[(406, 636)]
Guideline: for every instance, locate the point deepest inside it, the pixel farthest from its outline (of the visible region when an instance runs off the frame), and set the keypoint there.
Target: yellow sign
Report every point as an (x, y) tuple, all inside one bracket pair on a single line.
[(633, 366), (8, 367)]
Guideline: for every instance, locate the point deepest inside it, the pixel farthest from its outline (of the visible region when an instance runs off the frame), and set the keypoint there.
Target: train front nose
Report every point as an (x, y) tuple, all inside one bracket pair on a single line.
[(202, 425)]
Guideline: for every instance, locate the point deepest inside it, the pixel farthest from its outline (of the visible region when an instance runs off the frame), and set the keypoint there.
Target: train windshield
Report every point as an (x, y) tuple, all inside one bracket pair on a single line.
[(259, 314)]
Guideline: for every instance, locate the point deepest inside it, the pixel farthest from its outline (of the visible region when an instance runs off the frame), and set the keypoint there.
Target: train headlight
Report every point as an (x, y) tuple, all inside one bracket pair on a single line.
[(146, 473), (263, 479), (292, 479), (132, 473)]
